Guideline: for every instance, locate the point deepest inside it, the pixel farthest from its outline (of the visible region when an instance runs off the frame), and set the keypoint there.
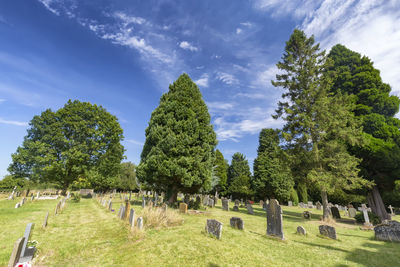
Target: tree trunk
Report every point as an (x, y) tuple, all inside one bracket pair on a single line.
[(327, 215), (172, 195), (376, 204)]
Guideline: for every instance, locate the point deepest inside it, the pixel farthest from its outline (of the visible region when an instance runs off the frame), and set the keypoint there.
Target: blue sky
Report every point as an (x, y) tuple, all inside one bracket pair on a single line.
[(124, 54)]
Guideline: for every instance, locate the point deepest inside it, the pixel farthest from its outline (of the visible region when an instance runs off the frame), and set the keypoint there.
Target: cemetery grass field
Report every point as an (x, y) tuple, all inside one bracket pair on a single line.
[(87, 234)]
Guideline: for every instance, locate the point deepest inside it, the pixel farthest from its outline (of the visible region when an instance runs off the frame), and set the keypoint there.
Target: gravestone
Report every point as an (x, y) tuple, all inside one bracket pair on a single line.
[(301, 230), (290, 203), (335, 212), (352, 212), (205, 200), (139, 223), (261, 203), (183, 207), (120, 210), (389, 231), (310, 204), (45, 220), (307, 215), (32, 198), (211, 202), (17, 205), (319, 205), (27, 252), (132, 218), (237, 223), (274, 219), (110, 205), (328, 231), (301, 205), (237, 202), (346, 211), (164, 207), (365, 210), (16, 253), (225, 204), (11, 197), (250, 209), (214, 227), (127, 209), (143, 202), (235, 208)]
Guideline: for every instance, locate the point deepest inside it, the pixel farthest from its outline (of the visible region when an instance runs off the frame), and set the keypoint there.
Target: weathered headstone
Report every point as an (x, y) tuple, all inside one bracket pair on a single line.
[(290, 203), (27, 252), (183, 207), (307, 215), (328, 231), (140, 223), (110, 205), (237, 223), (237, 202), (352, 212), (335, 212), (310, 205), (211, 202), (365, 210), (389, 231), (127, 209), (45, 220), (225, 204), (301, 230), (143, 202), (16, 253), (235, 208), (250, 209), (132, 218), (274, 219), (214, 227), (319, 205), (17, 205)]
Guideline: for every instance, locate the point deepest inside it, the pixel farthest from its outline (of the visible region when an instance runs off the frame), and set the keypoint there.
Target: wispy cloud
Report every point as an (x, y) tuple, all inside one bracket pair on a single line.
[(202, 81), (2, 100), (48, 4), (15, 123), (134, 142), (219, 106), (227, 78), (187, 46), (129, 19)]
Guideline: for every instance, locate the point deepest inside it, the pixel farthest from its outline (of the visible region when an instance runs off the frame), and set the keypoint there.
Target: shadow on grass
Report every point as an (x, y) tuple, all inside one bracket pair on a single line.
[(322, 246), (213, 265)]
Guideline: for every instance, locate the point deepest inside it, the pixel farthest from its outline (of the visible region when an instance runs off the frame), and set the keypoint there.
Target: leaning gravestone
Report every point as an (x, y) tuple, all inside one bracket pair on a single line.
[(45, 220), (132, 218), (301, 230), (214, 227), (27, 252), (250, 209), (274, 219), (237, 223), (225, 204), (183, 207), (16, 253), (328, 231), (335, 212), (352, 212), (389, 231)]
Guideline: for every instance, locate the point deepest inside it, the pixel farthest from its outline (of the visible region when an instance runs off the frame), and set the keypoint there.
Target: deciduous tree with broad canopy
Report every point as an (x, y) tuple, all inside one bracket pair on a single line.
[(67, 144), (178, 153)]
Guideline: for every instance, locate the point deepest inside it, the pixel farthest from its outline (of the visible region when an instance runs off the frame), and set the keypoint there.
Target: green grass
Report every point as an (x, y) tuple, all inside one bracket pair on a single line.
[(86, 234)]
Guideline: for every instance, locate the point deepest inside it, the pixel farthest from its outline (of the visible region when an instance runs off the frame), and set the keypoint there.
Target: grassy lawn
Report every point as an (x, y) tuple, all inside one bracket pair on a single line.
[(86, 234)]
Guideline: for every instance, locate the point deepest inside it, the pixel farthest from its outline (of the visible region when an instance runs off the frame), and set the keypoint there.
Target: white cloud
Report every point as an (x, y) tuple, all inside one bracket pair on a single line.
[(246, 24), (132, 141), (187, 46), (129, 19), (203, 81), (15, 123), (297, 8), (2, 100), (219, 105), (238, 31), (48, 5), (227, 78)]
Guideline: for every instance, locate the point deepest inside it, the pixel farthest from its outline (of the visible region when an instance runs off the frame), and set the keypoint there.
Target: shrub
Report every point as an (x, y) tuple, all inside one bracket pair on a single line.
[(195, 205), (158, 218), (373, 218), (302, 192), (294, 197), (76, 197)]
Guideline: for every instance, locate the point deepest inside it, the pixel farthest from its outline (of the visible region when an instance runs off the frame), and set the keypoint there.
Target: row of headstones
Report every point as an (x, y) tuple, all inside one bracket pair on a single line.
[(225, 206)]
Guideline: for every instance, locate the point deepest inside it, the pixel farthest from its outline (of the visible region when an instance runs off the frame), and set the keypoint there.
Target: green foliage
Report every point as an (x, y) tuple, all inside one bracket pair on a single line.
[(294, 197), (61, 146), (373, 218), (302, 190), (272, 176), (239, 176), (127, 178), (76, 197), (178, 153), (194, 204), (9, 182), (375, 107), (317, 123), (221, 171)]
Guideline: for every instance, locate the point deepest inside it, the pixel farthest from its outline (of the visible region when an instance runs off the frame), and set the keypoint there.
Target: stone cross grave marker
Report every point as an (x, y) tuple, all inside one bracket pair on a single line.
[(225, 204), (328, 231), (274, 219), (250, 209), (335, 212), (183, 207), (132, 218), (365, 210), (140, 223), (45, 220), (352, 212), (16, 253), (214, 227), (237, 223), (391, 210), (27, 252)]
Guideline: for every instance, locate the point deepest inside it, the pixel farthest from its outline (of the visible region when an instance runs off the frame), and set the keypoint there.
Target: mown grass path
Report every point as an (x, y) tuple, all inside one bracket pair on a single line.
[(86, 234)]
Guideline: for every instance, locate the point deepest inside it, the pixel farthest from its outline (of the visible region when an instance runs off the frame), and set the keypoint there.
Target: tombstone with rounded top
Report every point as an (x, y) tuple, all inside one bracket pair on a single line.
[(237, 223), (214, 227), (225, 204), (274, 219), (301, 230), (328, 231), (183, 207)]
